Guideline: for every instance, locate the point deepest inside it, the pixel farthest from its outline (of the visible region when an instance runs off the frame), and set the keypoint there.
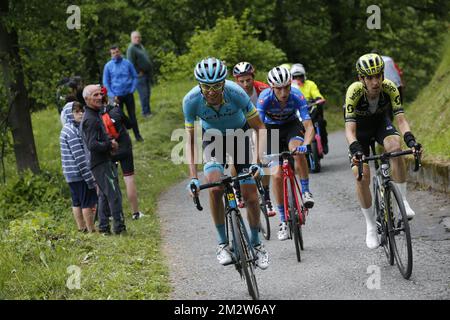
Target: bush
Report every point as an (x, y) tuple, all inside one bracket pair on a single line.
[(45, 192), (230, 41)]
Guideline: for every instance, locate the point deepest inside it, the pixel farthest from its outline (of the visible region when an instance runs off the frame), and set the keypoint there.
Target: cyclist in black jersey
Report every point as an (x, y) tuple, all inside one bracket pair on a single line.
[(366, 104)]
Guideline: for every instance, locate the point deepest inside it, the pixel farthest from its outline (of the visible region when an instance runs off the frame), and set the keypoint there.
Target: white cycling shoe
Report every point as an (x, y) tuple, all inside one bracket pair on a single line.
[(283, 232), (262, 256), (409, 212), (223, 254)]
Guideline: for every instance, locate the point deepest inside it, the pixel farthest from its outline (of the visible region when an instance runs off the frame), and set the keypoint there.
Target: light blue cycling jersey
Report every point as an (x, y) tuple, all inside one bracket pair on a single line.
[(236, 109), (271, 112)]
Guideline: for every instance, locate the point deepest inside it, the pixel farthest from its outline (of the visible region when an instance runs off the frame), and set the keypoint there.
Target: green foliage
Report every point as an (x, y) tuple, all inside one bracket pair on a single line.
[(29, 192), (229, 40), (429, 114)]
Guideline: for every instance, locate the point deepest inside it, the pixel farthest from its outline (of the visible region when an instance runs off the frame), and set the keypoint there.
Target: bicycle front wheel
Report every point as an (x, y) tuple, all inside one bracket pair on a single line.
[(245, 257), (294, 222), (399, 231), (382, 226)]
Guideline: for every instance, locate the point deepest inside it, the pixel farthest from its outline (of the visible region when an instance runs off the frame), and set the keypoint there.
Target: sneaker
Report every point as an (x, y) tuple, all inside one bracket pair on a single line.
[(262, 256), (137, 215), (409, 212), (139, 139), (309, 200), (283, 232), (223, 254)]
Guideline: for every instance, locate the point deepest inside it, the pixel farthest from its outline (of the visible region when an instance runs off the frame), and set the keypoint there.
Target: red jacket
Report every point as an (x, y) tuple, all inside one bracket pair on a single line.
[(259, 86)]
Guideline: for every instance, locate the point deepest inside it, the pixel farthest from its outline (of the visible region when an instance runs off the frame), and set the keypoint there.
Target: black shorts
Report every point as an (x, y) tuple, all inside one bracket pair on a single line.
[(287, 132), (378, 128), (240, 151), (82, 196), (126, 163)]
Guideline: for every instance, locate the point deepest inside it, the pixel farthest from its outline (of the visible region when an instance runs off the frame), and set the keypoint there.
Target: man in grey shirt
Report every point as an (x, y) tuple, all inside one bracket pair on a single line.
[(138, 56)]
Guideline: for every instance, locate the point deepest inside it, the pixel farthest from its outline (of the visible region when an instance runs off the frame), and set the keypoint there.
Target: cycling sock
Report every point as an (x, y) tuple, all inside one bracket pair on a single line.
[(281, 212), (305, 185), (221, 234), (370, 218), (254, 236)]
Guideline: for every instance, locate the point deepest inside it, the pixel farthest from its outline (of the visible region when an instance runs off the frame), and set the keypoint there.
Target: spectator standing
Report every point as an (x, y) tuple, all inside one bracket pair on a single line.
[(76, 171), (101, 147), (120, 79), (116, 124), (137, 54)]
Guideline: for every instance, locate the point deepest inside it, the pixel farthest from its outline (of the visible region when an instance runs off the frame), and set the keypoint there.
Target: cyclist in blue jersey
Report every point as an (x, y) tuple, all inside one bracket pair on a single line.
[(285, 109), (226, 107)]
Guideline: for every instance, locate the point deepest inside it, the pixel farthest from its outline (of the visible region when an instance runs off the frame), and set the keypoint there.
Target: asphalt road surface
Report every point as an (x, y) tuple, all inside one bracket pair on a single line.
[(336, 264)]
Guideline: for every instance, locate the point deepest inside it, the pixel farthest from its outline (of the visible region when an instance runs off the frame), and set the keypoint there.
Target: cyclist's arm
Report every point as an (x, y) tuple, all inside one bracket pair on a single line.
[(309, 131), (350, 132), (190, 114), (403, 124), (190, 152)]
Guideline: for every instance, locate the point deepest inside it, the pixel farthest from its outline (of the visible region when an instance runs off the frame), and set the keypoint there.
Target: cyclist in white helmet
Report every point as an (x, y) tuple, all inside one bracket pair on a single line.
[(279, 107), (311, 92), (244, 75), (224, 106)]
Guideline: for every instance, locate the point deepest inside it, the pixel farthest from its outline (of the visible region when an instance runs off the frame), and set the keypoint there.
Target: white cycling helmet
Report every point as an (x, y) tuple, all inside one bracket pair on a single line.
[(242, 69), (279, 77), (298, 70)]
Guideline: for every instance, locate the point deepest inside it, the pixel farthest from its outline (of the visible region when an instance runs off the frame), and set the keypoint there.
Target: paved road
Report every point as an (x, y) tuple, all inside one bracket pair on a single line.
[(335, 261)]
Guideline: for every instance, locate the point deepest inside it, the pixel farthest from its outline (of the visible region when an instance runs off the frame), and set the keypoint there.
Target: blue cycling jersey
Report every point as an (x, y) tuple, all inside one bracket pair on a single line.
[(271, 112), (236, 109)]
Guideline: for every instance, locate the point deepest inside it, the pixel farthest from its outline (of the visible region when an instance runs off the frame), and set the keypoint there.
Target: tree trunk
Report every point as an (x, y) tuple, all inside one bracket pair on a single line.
[(19, 119)]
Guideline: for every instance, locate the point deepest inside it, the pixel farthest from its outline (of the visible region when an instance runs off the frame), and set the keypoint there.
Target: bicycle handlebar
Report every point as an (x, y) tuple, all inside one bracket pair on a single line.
[(388, 155), (226, 179), (285, 155)]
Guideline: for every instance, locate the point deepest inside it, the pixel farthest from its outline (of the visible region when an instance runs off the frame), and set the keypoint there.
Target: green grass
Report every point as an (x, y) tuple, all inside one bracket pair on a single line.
[(116, 267), (429, 114)]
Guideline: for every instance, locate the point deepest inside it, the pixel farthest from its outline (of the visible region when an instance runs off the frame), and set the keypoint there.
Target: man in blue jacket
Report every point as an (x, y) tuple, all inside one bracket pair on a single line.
[(120, 79)]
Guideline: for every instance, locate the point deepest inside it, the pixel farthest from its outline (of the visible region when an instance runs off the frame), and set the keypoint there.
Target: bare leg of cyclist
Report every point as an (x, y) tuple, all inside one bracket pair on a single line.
[(392, 143), (277, 185), (218, 214), (301, 169), (250, 194), (365, 199)]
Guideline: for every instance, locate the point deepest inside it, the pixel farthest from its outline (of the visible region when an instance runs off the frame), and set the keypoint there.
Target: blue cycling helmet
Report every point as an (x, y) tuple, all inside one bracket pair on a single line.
[(210, 70)]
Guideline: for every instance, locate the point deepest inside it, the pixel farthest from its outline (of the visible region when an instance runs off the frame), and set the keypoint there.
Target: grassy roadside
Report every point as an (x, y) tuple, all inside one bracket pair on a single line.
[(429, 114), (39, 245)]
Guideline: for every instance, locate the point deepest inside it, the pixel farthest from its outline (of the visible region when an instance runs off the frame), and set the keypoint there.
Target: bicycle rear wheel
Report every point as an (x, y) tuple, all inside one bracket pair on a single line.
[(244, 254), (294, 222), (399, 232), (382, 227)]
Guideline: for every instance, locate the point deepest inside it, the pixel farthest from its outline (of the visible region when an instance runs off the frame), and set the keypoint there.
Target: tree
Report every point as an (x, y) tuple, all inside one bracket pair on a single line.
[(18, 110)]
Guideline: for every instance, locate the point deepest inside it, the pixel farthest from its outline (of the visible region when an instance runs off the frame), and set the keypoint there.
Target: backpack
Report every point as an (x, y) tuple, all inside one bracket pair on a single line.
[(109, 126)]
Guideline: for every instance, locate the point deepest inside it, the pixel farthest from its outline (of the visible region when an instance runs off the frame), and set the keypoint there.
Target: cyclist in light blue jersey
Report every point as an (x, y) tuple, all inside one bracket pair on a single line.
[(282, 108), (223, 105)]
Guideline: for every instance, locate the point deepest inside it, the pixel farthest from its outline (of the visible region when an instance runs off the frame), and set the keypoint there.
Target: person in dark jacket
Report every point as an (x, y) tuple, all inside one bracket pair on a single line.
[(116, 124), (101, 147)]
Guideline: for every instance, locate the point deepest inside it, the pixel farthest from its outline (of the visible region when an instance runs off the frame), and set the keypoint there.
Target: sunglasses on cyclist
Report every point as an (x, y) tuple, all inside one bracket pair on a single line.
[(214, 87)]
